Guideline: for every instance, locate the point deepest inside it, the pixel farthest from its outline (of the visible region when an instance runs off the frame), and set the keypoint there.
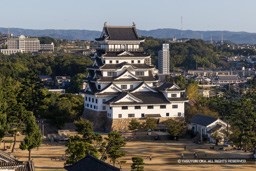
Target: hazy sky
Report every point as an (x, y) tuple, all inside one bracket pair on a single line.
[(231, 15)]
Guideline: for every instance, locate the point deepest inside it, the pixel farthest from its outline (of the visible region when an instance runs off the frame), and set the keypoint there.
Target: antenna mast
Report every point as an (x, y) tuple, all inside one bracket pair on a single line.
[(211, 39)]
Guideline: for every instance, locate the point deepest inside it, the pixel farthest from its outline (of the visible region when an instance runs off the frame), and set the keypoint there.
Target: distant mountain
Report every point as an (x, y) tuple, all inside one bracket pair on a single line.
[(236, 37)]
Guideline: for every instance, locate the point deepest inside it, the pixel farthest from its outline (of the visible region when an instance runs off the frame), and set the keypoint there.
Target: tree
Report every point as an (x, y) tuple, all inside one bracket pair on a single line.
[(215, 136), (33, 136), (134, 125), (181, 82), (85, 127), (137, 164), (192, 92), (175, 128), (16, 121), (78, 149), (114, 145), (150, 124)]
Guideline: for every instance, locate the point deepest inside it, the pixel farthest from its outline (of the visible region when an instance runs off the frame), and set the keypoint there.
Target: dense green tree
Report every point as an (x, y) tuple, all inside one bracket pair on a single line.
[(76, 82), (78, 149), (150, 124), (134, 125), (33, 136), (114, 145), (137, 164), (85, 128), (16, 121), (175, 128), (181, 82)]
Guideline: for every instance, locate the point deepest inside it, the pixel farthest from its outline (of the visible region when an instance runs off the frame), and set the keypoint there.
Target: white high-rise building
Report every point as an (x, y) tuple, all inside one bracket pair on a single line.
[(164, 60), (122, 84), (24, 43)]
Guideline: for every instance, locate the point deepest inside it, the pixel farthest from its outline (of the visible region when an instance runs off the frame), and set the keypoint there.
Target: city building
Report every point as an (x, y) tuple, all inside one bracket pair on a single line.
[(47, 47), (164, 60), (11, 51), (205, 126), (62, 81), (24, 43), (122, 84)]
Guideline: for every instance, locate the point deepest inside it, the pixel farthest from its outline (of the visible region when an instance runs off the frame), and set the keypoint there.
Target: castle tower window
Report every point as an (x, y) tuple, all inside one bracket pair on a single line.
[(132, 61), (175, 106), (110, 61), (124, 107), (139, 73), (151, 107), (124, 87), (167, 114), (139, 61), (143, 115), (162, 106), (117, 61), (137, 107), (119, 115), (174, 95), (131, 115), (99, 87)]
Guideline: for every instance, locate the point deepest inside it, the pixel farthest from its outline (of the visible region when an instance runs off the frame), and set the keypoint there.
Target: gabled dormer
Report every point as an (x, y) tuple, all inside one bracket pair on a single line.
[(126, 75), (125, 53), (129, 98), (111, 88), (143, 87), (171, 90)]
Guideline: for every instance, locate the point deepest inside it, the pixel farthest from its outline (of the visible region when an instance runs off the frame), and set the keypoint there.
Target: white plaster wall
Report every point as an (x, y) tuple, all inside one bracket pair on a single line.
[(169, 94), (125, 60), (131, 110)]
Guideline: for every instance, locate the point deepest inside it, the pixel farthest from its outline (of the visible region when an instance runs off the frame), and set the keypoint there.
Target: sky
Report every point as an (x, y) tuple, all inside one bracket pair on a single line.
[(203, 15)]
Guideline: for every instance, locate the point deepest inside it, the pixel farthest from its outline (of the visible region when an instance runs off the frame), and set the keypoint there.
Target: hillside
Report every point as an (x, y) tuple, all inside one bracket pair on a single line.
[(236, 37)]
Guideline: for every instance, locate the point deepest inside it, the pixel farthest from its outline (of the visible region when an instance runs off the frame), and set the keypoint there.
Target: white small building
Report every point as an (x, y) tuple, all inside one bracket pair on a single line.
[(205, 126)]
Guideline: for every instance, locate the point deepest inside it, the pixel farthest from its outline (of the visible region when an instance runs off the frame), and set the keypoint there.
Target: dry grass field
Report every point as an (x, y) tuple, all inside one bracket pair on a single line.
[(164, 156)]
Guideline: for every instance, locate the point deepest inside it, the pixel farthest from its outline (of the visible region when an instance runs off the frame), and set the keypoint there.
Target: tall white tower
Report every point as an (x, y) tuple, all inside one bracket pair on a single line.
[(164, 60)]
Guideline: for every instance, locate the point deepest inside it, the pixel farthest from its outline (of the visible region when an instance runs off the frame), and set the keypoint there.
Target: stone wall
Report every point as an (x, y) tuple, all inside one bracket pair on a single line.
[(102, 123), (99, 119)]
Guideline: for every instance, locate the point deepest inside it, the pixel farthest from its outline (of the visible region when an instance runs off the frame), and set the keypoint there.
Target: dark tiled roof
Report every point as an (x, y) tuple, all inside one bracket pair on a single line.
[(118, 66), (167, 86), (92, 87), (99, 61), (215, 128), (10, 162), (62, 77), (178, 99), (140, 78), (135, 54), (7, 156), (90, 163), (145, 97), (120, 33), (202, 119)]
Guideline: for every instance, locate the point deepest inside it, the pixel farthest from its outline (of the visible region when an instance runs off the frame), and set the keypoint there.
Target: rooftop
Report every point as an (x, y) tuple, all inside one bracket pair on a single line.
[(203, 119), (90, 163), (119, 33)]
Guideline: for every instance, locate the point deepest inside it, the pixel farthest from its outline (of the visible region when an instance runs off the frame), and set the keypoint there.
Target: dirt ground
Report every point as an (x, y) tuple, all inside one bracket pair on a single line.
[(164, 155)]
